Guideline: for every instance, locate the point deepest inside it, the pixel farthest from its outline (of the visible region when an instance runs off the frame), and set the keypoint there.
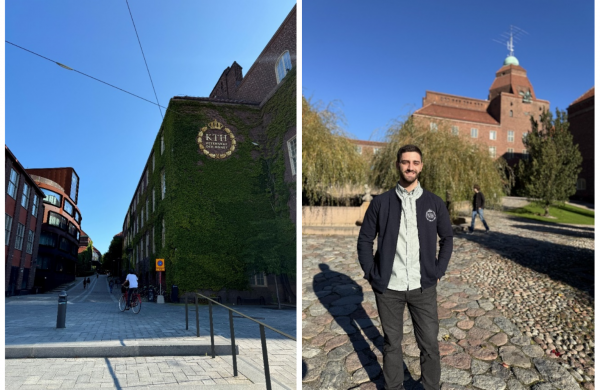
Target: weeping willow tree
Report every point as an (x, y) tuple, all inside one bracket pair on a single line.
[(330, 162), (451, 164)]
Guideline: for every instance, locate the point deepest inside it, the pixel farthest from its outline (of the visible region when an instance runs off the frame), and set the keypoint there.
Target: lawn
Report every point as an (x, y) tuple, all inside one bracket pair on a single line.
[(562, 214)]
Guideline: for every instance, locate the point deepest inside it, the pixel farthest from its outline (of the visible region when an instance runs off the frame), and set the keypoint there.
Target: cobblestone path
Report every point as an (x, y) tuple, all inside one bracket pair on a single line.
[(515, 309)]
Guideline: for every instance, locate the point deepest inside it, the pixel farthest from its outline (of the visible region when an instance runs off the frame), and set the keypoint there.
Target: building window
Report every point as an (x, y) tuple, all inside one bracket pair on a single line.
[(153, 161), (73, 230), (473, 133), (454, 130), (283, 66), (7, 227), (147, 244), (359, 149), (510, 153), (64, 245), (258, 279), (493, 135), (163, 185), (34, 207), (153, 240), (20, 236), (68, 208), (77, 217), (142, 217), (525, 155), (511, 136), (581, 184), (57, 220), (163, 233), (433, 127), (492, 151), (52, 197), (25, 196), (13, 182), (30, 238), (375, 151), (153, 200), (74, 182), (525, 137), (292, 153), (510, 113), (162, 144), (48, 239)]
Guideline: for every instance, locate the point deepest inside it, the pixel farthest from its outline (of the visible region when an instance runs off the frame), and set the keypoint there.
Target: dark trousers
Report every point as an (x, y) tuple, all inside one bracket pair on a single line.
[(422, 305)]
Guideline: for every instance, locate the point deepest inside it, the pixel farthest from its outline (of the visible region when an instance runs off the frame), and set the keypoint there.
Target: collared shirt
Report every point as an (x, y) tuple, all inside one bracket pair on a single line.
[(406, 271)]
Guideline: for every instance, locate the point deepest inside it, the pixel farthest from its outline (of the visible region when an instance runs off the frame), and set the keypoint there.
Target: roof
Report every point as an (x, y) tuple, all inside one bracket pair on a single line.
[(35, 186), (587, 95), (462, 114), (367, 143)]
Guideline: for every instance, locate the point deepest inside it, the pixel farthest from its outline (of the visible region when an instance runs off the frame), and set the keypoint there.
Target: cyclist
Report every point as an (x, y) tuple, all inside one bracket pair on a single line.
[(133, 285)]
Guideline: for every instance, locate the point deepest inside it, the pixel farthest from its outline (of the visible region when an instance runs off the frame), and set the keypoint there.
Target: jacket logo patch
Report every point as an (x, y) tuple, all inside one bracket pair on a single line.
[(430, 215)]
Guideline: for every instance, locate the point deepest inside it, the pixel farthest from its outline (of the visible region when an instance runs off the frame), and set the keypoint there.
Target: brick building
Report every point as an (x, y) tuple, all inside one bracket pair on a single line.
[(581, 125), (23, 213), (368, 149), (61, 227), (499, 123), (212, 154)]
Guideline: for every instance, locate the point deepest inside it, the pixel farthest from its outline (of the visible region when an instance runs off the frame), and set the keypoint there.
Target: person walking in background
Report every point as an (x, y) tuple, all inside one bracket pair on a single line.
[(84, 283), (88, 281), (406, 221), (478, 205), (111, 284)]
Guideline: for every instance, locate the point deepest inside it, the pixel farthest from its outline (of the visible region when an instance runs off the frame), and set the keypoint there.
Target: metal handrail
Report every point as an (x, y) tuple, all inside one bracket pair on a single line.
[(262, 327)]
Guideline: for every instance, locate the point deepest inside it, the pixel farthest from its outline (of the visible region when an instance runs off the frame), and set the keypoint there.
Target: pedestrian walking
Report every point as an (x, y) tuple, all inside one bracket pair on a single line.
[(88, 281), (84, 283), (478, 205), (406, 221), (111, 284)]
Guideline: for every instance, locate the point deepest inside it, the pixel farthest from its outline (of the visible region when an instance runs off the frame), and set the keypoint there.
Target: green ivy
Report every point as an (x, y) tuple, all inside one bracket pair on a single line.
[(216, 210)]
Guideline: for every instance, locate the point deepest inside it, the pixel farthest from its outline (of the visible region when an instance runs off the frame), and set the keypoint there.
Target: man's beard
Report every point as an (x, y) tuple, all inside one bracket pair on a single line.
[(409, 180)]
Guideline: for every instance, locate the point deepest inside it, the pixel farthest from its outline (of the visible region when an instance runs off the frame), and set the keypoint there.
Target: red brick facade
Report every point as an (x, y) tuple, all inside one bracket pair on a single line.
[(20, 260), (261, 80), (581, 125), (499, 122)]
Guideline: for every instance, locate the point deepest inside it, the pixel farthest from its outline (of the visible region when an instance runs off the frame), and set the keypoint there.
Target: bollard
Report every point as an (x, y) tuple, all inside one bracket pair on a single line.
[(62, 310)]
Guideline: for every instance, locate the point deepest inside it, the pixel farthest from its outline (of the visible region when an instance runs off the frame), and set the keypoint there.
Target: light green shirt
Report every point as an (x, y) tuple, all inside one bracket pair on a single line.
[(406, 271)]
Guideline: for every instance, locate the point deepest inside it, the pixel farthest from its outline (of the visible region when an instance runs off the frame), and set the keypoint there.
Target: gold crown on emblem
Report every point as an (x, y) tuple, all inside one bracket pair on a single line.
[(215, 125)]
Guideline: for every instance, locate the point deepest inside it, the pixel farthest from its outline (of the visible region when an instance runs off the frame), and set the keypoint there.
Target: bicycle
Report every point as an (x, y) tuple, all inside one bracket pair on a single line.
[(136, 302)]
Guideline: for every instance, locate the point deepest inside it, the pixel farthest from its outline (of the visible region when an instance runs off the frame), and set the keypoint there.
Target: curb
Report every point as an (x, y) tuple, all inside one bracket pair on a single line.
[(116, 348)]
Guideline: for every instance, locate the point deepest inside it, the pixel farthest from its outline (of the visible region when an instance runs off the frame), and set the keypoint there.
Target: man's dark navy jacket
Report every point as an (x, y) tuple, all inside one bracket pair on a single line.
[(382, 220)]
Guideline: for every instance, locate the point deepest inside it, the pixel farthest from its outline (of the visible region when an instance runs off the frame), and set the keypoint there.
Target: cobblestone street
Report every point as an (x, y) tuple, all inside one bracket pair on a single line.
[(515, 310)]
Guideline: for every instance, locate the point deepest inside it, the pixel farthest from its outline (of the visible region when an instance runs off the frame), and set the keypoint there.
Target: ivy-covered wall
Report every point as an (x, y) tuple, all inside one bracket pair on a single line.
[(227, 217)]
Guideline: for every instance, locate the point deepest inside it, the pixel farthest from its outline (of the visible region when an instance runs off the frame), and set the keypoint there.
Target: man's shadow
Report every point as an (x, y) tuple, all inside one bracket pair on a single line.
[(343, 298)]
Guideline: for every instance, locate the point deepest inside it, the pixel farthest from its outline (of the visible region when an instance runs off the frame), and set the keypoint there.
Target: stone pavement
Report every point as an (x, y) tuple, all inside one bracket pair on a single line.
[(94, 322), (515, 311)]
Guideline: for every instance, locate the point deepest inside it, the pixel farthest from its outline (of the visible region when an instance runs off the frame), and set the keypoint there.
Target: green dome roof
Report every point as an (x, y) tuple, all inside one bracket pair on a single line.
[(511, 60)]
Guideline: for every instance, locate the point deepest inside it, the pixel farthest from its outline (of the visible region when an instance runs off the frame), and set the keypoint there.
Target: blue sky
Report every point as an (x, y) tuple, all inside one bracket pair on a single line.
[(59, 118), (377, 59)]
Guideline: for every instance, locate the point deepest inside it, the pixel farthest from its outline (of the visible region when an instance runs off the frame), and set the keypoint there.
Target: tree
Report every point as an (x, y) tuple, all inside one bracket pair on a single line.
[(84, 260), (450, 164), (550, 173), (329, 159), (110, 260)]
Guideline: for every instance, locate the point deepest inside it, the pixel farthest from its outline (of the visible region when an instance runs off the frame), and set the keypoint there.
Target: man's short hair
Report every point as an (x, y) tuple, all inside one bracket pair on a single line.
[(476, 186), (409, 148)]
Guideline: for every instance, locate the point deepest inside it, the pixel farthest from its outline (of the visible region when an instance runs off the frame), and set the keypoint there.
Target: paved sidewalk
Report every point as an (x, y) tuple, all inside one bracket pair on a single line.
[(95, 327), (516, 311)]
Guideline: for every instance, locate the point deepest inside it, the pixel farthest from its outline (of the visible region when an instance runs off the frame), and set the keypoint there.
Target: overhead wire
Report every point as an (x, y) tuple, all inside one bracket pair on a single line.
[(148, 69), (87, 75)]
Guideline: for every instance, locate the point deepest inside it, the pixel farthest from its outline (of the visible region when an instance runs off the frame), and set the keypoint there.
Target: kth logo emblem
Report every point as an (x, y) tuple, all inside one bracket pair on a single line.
[(430, 215)]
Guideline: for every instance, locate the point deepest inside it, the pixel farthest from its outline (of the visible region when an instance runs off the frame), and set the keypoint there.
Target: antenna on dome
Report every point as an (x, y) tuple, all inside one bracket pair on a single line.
[(511, 37)]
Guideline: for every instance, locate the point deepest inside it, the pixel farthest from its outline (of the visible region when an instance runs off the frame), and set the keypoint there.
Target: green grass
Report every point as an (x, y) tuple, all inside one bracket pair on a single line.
[(563, 214)]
